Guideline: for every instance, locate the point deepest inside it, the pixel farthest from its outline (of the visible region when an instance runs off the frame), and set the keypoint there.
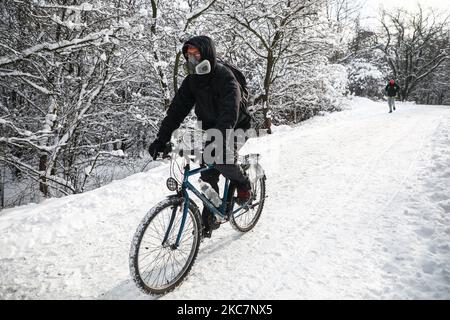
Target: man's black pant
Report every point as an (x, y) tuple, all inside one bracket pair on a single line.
[(231, 171)]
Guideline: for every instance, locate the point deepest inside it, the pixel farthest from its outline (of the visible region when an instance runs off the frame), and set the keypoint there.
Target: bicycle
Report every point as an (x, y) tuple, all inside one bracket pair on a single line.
[(167, 240)]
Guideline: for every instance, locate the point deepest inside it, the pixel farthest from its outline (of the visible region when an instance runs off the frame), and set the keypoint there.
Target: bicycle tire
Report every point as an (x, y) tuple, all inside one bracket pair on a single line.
[(236, 223), (138, 275)]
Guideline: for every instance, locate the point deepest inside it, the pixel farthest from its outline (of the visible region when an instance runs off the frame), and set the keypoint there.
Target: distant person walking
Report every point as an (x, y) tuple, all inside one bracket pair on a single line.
[(391, 91)]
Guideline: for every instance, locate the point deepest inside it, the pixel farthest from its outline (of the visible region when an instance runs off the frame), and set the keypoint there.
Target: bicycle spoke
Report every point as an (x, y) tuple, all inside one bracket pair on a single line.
[(156, 230), (173, 264), (165, 268), (160, 224), (176, 260), (148, 265), (166, 260), (247, 218), (147, 254), (161, 264), (158, 239), (158, 265), (156, 261)]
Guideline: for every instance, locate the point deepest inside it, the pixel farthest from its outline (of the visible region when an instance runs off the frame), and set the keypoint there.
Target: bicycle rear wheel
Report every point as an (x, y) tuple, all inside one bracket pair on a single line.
[(158, 266), (246, 219)]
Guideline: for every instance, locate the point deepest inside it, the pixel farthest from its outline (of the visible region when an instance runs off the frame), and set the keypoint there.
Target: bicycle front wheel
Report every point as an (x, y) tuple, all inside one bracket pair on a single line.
[(157, 265)]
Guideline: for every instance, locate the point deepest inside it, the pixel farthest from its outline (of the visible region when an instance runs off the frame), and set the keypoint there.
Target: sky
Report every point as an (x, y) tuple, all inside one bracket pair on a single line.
[(370, 8)]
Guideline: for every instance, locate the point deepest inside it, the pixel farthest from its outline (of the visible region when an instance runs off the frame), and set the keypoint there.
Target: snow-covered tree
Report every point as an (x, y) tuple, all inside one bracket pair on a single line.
[(434, 89), (365, 78), (280, 35), (415, 44), (66, 84), (84, 84)]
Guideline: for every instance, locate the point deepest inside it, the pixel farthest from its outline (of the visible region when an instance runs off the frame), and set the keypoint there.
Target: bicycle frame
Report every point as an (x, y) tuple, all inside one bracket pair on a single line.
[(187, 186)]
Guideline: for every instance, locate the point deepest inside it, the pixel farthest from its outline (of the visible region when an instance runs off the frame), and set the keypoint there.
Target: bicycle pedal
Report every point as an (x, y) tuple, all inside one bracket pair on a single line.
[(206, 234), (215, 226)]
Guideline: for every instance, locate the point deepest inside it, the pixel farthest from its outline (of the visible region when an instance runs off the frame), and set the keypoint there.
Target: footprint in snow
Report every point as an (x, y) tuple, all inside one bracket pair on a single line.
[(429, 267), (390, 268), (445, 206), (439, 196), (425, 232)]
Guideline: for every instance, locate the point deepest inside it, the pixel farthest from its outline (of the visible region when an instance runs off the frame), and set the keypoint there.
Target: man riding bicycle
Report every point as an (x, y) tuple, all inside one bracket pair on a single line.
[(216, 94)]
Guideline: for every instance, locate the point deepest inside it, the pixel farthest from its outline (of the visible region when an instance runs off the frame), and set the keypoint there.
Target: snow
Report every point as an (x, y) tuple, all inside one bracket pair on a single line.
[(358, 207), (143, 12), (118, 153), (126, 25), (50, 118), (86, 6), (196, 12), (87, 170), (53, 46), (365, 70), (281, 128), (161, 64)]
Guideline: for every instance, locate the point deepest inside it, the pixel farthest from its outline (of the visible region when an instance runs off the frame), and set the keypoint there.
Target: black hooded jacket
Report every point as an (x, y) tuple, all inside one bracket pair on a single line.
[(216, 96), (391, 90)]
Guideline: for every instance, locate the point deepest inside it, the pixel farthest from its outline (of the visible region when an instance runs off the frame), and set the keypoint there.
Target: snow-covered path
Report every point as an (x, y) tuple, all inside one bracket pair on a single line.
[(358, 207)]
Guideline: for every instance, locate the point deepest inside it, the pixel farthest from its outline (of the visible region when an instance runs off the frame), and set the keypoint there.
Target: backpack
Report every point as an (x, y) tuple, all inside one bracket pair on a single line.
[(245, 118)]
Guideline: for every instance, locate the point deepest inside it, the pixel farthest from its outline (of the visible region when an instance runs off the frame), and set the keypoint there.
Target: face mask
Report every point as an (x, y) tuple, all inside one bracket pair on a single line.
[(191, 64), (203, 67), (196, 67)]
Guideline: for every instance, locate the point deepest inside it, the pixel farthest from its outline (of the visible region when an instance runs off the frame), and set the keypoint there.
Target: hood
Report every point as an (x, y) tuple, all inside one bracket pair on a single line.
[(206, 47)]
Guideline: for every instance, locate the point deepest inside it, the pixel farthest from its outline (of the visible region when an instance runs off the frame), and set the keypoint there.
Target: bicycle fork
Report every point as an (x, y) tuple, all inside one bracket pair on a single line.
[(175, 245)]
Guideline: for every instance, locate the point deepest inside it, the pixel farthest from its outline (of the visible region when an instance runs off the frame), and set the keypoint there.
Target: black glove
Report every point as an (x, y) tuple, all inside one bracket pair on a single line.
[(156, 147)]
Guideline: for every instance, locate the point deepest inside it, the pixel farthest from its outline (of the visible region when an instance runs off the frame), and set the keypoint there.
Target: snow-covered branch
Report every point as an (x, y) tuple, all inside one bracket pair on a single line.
[(64, 44)]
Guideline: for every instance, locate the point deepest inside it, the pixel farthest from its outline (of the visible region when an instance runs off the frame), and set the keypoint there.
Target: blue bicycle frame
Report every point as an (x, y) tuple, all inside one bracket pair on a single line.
[(186, 185)]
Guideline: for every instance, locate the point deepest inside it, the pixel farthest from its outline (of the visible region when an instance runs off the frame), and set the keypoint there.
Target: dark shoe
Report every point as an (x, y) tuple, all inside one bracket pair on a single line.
[(394, 108), (390, 111), (206, 233), (209, 224), (213, 223)]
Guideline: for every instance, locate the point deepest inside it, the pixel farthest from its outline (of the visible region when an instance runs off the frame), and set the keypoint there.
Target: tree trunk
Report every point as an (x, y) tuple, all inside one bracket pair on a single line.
[(404, 92), (43, 186), (176, 68), (267, 115), (2, 187), (440, 97), (265, 97), (161, 72), (163, 82)]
